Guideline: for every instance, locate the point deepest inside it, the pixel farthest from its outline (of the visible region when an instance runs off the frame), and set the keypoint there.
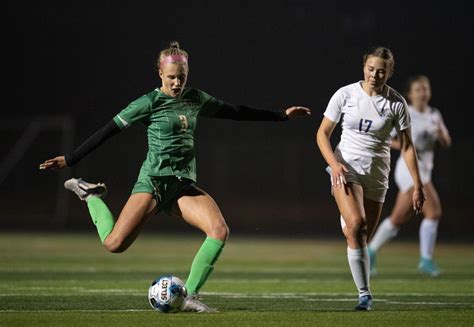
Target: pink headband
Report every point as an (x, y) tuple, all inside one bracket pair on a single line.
[(172, 59)]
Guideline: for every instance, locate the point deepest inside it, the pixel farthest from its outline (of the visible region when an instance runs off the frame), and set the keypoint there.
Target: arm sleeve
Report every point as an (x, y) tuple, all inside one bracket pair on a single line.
[(138, 110), (213, 108), (99, 137), (334, 109), (241, 112)]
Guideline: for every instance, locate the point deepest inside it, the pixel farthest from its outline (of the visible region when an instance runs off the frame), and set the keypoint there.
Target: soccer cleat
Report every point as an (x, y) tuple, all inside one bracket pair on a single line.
[(192, 303), (83, 189), (428, 267), (365, 303), (372, 261)]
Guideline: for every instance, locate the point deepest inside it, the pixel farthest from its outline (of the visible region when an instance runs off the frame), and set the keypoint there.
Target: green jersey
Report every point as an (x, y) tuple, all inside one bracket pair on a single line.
[(170, 123)]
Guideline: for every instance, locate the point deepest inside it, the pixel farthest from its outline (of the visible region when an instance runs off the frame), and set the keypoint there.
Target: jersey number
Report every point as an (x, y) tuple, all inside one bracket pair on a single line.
[(184, 123), (366, 122)]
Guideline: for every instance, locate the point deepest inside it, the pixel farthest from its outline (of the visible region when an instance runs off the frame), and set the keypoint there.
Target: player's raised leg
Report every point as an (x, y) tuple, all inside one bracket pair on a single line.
[(198, 209), (116, 236), (132, 218)]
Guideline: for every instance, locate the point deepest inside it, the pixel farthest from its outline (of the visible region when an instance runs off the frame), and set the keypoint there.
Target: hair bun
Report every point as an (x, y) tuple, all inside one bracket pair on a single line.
[(174, 45)]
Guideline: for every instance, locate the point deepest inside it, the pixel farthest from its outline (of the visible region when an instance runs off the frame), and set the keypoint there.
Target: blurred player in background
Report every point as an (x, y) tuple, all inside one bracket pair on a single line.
[(168, 175), (427, 129), (360, 164)]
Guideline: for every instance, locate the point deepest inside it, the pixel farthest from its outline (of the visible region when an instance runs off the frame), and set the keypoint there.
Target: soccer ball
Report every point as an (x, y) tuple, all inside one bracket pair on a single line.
[(166, 294)]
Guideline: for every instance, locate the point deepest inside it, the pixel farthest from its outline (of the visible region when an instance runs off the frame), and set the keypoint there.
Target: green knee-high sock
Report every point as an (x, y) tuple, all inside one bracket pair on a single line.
[(203, 264), (101, 216)]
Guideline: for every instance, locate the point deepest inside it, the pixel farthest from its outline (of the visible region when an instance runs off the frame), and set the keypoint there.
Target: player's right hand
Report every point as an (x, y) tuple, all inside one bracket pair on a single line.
[(337, 175), (55, 163)]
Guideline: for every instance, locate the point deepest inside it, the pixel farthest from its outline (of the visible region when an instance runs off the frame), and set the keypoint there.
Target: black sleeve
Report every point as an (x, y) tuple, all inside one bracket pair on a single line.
[(99, 137), (241, 112)]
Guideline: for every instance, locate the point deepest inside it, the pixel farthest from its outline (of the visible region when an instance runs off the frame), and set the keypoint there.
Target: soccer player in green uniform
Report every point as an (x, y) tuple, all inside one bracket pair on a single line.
[(167, 177)]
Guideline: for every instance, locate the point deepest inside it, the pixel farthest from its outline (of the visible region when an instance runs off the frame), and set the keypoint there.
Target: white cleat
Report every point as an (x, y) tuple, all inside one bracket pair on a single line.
[(192, 303), (83, 189)]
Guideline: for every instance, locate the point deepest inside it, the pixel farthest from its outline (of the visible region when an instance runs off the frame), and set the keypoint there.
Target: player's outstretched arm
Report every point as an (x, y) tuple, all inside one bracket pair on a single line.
[(246, 113), (99, 137)]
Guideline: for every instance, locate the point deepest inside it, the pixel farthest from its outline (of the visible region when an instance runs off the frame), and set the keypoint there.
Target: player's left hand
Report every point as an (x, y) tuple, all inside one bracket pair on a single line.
[(55, 163), (419, 198), (293, 112)]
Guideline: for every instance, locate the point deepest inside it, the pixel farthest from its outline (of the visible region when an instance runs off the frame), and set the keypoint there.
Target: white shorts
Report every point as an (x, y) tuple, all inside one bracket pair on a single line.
[(369, 172), (403, 178)]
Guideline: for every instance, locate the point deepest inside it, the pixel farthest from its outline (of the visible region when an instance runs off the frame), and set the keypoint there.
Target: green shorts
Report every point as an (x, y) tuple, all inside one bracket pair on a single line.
[(165, 189)]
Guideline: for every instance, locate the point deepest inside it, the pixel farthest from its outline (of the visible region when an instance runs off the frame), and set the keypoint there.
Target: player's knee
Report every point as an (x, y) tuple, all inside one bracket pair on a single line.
[(219, 231), (436, 214), (114, 245), (356, 227)]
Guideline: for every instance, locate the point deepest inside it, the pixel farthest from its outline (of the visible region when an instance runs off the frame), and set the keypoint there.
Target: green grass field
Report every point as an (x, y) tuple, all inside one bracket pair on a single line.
[(69, 280)]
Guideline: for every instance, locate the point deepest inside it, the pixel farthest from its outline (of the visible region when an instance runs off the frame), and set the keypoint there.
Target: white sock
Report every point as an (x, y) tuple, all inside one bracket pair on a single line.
[(428, 232), (383, 234), (359, 264)]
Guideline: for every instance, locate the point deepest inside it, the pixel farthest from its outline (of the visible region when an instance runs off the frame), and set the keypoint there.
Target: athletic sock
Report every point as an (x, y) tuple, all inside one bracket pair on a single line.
[(203, 264), (359, 264), (101, 216), (383, 234), (428, 232)]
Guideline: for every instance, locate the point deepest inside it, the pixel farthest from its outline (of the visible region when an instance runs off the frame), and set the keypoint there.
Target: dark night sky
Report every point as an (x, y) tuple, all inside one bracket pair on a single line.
[(88, 60)]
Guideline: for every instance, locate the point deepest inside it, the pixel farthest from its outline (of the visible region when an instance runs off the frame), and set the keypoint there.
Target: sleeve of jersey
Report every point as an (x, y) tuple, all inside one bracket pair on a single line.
[(138, 110), (440, 121), (334, 108), (403, 120), (214, 108)]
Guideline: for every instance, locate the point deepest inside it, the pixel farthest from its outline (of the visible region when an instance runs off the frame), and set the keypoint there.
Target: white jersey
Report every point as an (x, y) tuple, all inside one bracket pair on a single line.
[(367, 120), (365, 140), (424, 132)]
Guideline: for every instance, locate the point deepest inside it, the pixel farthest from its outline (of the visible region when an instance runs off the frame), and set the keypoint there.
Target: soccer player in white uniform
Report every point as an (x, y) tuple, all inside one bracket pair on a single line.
[(359, 166), (427, 129)]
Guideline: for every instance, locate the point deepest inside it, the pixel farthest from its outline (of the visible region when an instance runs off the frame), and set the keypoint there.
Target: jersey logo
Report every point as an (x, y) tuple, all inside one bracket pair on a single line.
[(184, 123)]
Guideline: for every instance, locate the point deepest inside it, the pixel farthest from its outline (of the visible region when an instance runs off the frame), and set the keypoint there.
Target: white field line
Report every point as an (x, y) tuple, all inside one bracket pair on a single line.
[(78, 310), (81, 291), (306, 294)]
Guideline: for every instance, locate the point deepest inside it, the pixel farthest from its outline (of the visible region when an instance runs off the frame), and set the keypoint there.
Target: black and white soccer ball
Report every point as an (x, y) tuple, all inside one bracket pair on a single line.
[(166, 294)]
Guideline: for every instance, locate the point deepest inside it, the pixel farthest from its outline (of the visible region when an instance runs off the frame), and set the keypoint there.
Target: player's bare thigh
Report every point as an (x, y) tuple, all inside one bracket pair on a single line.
[(373, 210), (130, 222), (200, 210)]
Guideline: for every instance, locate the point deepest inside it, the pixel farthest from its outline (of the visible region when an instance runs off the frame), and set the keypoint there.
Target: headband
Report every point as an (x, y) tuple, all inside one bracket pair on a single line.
[(172, 59)]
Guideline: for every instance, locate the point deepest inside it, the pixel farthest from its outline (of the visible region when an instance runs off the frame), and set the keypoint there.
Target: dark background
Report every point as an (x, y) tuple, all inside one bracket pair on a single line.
[(69, 67)]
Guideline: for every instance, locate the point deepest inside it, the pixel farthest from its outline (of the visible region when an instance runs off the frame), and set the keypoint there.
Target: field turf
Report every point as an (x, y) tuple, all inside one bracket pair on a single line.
[(70, 280)]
